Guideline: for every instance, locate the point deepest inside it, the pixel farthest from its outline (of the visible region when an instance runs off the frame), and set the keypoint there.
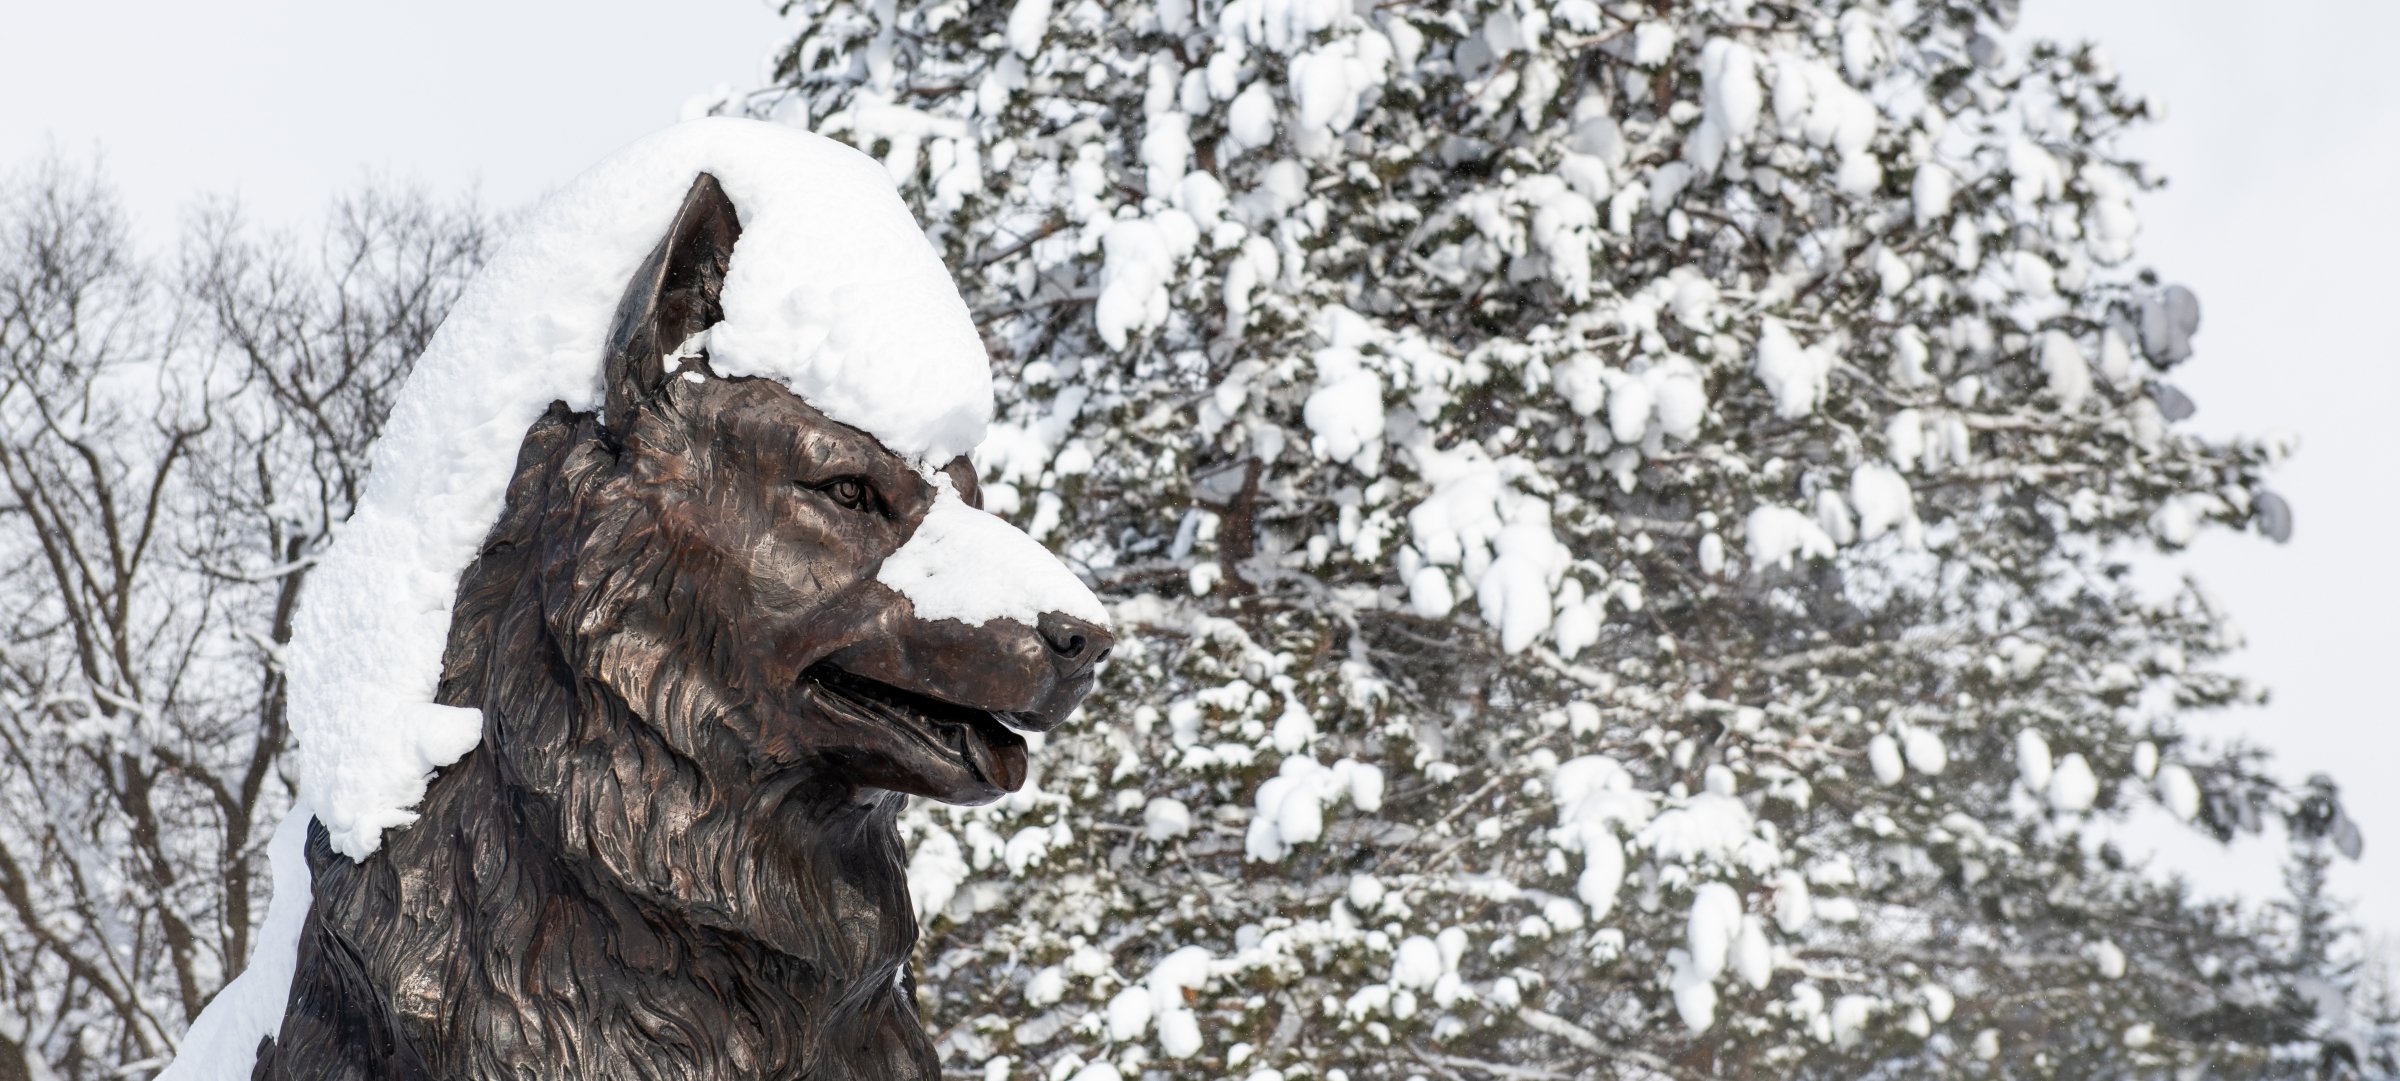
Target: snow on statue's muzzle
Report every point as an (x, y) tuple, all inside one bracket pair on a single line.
[(972, 606)]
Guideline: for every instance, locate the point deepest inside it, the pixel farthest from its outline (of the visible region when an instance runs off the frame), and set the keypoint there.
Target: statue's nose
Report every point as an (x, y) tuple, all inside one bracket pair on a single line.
[(1076, 646)]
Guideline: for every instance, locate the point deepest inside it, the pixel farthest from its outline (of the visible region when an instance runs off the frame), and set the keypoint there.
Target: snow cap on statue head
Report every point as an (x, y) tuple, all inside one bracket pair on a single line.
[(833, 291)]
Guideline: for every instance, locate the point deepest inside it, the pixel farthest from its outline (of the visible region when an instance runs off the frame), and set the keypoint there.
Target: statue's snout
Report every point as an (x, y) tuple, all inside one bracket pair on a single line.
[(1073, 649), (1077, 646)]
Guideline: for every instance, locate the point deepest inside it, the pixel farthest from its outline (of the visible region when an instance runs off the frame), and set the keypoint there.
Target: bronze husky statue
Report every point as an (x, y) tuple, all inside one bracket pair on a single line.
[(673, 854)]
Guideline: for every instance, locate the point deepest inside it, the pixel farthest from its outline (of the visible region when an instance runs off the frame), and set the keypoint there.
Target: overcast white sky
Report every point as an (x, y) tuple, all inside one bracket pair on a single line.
[(2282, 145), (286, 102), (2282, 141)]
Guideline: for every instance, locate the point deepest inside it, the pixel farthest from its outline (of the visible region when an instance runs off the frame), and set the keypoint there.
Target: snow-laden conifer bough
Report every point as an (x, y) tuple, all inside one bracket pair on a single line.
[(833, 291)]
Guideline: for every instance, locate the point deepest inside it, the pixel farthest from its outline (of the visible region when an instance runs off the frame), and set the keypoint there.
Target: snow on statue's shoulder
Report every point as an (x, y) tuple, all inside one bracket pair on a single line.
[(833, 291), (223, 1040)]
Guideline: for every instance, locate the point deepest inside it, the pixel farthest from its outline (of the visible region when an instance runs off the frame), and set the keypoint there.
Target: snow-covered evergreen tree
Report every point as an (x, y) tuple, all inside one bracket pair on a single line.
[(1620, 518)]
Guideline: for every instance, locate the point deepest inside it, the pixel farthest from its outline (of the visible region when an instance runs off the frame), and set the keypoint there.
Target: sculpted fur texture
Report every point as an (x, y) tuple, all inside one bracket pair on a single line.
[(674, 854)]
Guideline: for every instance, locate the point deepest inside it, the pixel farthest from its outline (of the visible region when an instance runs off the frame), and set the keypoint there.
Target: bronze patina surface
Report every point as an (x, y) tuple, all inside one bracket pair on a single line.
[(673, 854)]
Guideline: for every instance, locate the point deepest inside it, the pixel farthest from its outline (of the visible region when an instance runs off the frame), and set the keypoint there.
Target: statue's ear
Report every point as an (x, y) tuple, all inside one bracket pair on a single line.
[(963, 478), (671, 297)]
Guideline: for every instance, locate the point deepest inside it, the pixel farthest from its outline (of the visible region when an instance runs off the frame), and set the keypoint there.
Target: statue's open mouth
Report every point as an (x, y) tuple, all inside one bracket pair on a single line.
[(975, 737)]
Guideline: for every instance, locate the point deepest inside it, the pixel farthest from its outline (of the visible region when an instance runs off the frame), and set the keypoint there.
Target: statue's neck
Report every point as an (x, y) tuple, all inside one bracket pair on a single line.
[(469, 923)]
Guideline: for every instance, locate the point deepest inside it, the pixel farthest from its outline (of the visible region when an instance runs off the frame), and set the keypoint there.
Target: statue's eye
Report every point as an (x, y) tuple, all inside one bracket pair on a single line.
[(852, 492)]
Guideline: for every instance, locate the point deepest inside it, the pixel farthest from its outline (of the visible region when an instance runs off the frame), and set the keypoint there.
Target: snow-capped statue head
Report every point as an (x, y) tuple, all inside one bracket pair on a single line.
[(687, 464), (832, 291)]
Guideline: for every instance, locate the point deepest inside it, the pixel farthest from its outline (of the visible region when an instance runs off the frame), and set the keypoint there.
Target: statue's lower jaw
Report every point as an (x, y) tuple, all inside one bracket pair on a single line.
[(976, 738)]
